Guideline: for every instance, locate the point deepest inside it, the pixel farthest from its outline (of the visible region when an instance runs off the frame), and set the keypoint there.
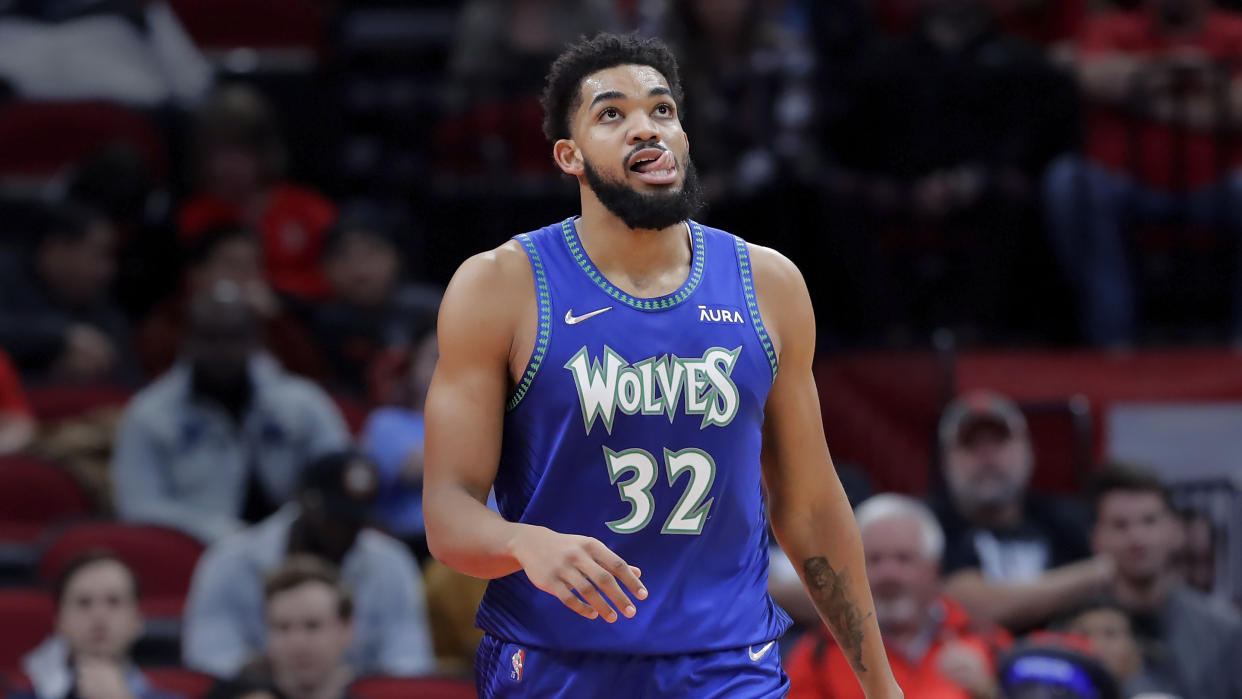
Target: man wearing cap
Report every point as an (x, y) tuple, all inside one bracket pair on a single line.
[(224, 620), (1016, 557)]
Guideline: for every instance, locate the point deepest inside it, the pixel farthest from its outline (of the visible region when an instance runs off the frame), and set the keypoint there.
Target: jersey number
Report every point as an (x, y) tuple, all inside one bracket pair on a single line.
[(688, 515)]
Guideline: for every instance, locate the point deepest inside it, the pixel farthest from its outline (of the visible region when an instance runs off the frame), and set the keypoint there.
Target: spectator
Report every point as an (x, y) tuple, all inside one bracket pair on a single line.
[(1107, 626), (17, 422), (905, 157), (1151, 79), (125, 51), (240, 170), (1054, 665), (229, 254), (1013, 556), (371, 312), (218, 440), (393, 437), (224, 627), (748, 100), (309, 617), (57, 318), (1192, 643), (1197, 558), (97, 624), (936, 649)]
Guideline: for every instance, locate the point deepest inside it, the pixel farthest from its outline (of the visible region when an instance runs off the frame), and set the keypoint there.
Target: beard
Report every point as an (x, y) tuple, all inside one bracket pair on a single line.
[(648, 210), (901, 612)]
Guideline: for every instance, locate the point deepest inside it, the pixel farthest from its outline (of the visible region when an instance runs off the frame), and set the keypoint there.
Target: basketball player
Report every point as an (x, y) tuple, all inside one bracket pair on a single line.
[(619, 377)]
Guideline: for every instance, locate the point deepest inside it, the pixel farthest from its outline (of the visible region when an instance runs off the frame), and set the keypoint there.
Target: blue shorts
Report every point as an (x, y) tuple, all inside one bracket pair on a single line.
[(504, 670)]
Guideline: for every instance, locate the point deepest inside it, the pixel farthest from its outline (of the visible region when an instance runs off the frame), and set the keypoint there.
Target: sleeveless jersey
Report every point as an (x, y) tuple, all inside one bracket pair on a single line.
[(638, 422)]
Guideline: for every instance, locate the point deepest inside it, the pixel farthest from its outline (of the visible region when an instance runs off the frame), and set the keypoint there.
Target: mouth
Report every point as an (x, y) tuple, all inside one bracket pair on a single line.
[(654, 166)]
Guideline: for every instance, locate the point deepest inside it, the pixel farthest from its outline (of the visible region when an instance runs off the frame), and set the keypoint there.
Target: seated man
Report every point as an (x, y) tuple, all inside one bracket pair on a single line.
[(1013, 556), (1193, 644), (309, 628), (58, 320), (1106, 625), (218, 440), (936, 649), (97, 623), (224, 623)]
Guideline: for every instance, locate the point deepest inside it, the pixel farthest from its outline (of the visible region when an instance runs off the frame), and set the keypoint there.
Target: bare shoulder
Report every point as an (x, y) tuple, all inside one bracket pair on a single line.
[(775, 274), (488, 294), (784, 302)]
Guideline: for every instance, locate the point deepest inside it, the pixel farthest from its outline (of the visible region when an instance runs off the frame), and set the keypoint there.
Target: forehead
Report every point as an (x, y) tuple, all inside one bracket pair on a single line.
[(98, 577), (1097, 618), (309, 598), (897, 532), (631, 79), (1121, 503)]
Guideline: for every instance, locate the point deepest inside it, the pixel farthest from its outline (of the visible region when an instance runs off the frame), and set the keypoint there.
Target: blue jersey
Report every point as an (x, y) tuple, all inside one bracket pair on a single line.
[(638, 422)]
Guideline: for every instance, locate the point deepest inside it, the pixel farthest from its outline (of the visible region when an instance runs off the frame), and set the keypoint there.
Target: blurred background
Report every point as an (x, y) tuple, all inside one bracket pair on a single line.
[(225, 226)]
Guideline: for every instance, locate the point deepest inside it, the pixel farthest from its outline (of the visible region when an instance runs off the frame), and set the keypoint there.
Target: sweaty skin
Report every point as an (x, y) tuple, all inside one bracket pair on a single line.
[(487, 331)]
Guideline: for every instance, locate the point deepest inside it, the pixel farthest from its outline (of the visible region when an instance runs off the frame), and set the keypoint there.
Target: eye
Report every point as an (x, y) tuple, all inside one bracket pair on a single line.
[(609, 114), (664, 109)]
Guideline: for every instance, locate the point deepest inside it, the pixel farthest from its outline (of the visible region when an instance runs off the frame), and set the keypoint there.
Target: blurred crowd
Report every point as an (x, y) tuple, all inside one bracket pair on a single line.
[(224, 229)]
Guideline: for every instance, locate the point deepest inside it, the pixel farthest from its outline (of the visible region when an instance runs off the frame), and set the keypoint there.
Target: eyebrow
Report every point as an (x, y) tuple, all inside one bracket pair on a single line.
[(618, 95)]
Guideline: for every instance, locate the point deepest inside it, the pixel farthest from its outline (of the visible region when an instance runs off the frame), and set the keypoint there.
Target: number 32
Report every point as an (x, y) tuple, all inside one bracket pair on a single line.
[(688, 515)]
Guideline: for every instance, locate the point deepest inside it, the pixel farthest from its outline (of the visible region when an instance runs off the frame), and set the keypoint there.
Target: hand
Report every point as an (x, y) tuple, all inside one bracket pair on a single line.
[(1103, 572), (966, 667), (560, 564), (101, 679), (88, 352)]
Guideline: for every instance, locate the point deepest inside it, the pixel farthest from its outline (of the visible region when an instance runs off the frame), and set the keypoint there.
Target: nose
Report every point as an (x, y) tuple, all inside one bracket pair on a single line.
[(643, 128)]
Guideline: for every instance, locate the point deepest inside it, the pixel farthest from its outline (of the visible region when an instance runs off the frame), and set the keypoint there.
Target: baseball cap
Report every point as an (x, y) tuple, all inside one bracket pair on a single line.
[(978, 408), (347, 483), (1052, 666)]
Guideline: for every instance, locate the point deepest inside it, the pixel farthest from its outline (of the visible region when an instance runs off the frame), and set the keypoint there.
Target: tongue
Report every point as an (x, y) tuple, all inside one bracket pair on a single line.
[(664, 162)]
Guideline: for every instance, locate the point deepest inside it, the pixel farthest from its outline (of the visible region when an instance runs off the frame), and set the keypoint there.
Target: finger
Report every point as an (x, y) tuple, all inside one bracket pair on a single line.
[(618, 567), (607, 584), (580, 584), (638, 572), (569, 599)]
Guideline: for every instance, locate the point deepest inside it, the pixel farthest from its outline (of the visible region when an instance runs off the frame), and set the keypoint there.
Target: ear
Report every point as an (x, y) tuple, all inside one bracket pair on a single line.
[(568, 158)]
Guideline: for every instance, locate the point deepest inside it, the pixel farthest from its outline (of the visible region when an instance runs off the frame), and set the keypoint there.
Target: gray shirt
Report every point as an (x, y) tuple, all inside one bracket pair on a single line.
[(224, 616), (185, 463), (1198, 647)]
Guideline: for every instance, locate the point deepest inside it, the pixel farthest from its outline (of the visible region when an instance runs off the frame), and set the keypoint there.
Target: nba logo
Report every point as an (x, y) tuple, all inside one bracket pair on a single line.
[(518, 659)]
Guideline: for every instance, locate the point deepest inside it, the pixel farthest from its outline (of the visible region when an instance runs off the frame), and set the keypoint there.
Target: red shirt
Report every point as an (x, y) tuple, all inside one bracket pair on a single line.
[(818, 669), (292, 227), (1108, 127), (12, 397)]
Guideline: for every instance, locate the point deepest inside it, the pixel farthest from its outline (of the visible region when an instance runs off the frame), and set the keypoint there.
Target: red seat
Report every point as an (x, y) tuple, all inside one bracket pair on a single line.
[(35, 494), (29, 616), (258, 24), (56, 403), (179, 680), (163, 559), (40, 139), (404, 687)]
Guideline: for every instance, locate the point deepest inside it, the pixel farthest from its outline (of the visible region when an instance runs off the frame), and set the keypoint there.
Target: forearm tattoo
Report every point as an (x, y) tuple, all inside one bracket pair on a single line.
[(829, 590)]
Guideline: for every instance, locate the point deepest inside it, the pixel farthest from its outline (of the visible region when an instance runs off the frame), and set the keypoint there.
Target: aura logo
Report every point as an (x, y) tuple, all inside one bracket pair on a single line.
[(720, 314)]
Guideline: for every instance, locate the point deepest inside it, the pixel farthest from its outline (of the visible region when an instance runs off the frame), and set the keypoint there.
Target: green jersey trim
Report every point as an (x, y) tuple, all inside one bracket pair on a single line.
[(653, 304), (748, 287), (545, 323)]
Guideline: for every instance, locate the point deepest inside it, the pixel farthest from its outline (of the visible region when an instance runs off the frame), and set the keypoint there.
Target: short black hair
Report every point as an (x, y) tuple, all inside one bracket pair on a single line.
[(198, 249), (1099, 603), (587, 56), (84, 560), (1119, 477)]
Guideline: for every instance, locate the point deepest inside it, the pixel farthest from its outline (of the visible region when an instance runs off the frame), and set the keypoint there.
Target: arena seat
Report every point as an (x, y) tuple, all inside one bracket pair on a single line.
[(188, 683), (29, 616), (40, 139), (34, 495), (59, 402), (163, 559), (421, 687), (283, 34)]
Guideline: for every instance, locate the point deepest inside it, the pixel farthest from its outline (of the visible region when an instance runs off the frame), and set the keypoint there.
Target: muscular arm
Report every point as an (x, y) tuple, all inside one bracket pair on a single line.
[(1022, 605), (810, 514), (465, 412)]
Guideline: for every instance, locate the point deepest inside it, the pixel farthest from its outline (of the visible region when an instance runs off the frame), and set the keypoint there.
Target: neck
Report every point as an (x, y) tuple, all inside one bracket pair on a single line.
[(1143, 595), (637, 254), (997, 516), (330, 687)]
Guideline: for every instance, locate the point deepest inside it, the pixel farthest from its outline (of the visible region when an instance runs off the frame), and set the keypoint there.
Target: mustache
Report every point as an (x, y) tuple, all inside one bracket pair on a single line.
[(639, 148)]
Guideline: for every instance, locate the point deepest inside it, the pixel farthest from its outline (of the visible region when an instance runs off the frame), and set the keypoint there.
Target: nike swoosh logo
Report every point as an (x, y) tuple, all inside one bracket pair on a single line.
[(572, 319), (756, 657)]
